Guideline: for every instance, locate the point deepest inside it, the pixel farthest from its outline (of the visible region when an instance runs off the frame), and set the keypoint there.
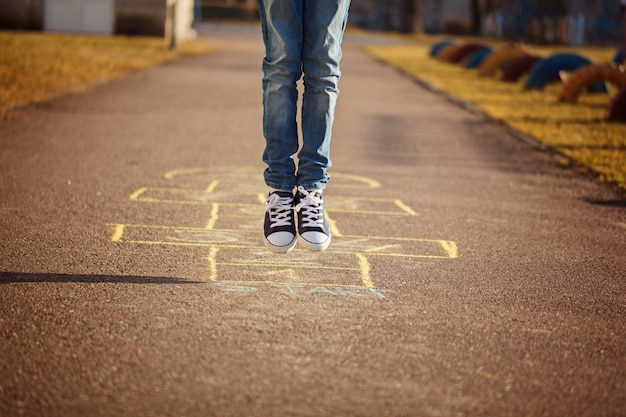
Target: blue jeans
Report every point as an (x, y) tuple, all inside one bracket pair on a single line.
[(301, 37)]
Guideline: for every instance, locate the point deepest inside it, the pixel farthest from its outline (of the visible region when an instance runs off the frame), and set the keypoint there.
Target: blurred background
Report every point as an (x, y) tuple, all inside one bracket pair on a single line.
[(559, 22)]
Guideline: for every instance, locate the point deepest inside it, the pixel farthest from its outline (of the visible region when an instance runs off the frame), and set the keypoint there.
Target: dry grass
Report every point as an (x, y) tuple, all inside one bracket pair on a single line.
[(577, 131), (36, 66)]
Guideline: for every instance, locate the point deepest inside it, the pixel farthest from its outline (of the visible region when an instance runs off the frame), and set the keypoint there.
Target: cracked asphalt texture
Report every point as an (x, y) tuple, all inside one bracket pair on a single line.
[(529, 319)]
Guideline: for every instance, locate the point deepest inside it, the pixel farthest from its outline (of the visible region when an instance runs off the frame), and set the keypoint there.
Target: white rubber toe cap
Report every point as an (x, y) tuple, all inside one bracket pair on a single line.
[(280, 242), (314, 240)]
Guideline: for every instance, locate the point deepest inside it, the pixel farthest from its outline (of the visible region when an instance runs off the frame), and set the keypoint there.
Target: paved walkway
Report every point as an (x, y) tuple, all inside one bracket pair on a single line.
[(468, 275)]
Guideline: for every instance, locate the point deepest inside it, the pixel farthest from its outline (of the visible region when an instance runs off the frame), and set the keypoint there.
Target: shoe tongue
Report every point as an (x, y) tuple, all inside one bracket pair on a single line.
[(282, 193)]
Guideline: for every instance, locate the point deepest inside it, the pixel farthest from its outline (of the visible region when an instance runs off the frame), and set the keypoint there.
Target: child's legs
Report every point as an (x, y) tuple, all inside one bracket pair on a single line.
[(281, 22), (324, 24)]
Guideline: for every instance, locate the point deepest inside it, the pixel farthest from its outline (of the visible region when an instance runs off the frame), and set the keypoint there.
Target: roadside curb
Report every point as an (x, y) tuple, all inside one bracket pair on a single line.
[(527, 139)]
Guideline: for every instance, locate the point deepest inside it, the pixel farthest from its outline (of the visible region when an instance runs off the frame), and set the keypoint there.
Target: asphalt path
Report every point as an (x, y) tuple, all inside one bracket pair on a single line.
[(469, 274)]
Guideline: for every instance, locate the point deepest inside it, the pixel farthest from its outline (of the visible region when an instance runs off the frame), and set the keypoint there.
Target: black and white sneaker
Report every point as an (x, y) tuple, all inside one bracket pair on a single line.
[(313, 231), (279, 228)]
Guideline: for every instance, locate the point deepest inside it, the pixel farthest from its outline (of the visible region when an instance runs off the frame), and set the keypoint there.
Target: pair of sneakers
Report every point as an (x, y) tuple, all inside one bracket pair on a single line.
[(280, 226)]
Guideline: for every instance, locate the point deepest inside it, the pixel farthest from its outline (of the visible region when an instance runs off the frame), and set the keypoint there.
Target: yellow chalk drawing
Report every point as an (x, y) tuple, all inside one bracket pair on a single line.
[(450, 247), (135, 196), (404, 208), (223, 172), (332, 225), (232, 232), (288, 274), (365, 268), (215, 209), (354, 181), (118, 233), (179, 172), (213, 263)]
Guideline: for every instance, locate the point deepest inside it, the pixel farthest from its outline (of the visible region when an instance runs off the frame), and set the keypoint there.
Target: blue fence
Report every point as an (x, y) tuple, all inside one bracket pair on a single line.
[(575, 22)]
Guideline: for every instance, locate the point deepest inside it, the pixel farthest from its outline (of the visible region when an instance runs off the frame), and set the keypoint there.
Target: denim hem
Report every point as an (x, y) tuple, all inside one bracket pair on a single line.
[(314, 186), (280, 186)]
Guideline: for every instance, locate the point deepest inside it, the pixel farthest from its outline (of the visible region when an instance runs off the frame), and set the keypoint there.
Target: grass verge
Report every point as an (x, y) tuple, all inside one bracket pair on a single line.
[(577, 131), (36, 66)]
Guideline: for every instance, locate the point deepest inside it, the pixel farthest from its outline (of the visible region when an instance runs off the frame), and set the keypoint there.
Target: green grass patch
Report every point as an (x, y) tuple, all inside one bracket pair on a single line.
[(36, 66), (577, 130)]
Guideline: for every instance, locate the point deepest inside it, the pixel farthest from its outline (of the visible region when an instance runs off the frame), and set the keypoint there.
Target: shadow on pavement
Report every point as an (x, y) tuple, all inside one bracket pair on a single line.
[(608, 203), (17, 277)]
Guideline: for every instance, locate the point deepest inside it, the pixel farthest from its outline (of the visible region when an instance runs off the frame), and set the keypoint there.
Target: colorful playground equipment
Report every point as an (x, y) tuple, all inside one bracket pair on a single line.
[(577, 73)]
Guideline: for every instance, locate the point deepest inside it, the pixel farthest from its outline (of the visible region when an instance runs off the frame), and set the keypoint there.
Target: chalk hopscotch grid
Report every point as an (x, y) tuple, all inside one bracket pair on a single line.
[(243, 203)]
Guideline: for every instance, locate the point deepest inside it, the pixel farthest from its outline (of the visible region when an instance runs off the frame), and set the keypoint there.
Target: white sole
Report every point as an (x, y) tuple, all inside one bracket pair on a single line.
[(317, 247), (280, 249)]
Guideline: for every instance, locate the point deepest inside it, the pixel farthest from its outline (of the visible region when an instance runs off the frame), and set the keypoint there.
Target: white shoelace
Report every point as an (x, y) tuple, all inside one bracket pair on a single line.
[(279, 209), (312, 208)]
